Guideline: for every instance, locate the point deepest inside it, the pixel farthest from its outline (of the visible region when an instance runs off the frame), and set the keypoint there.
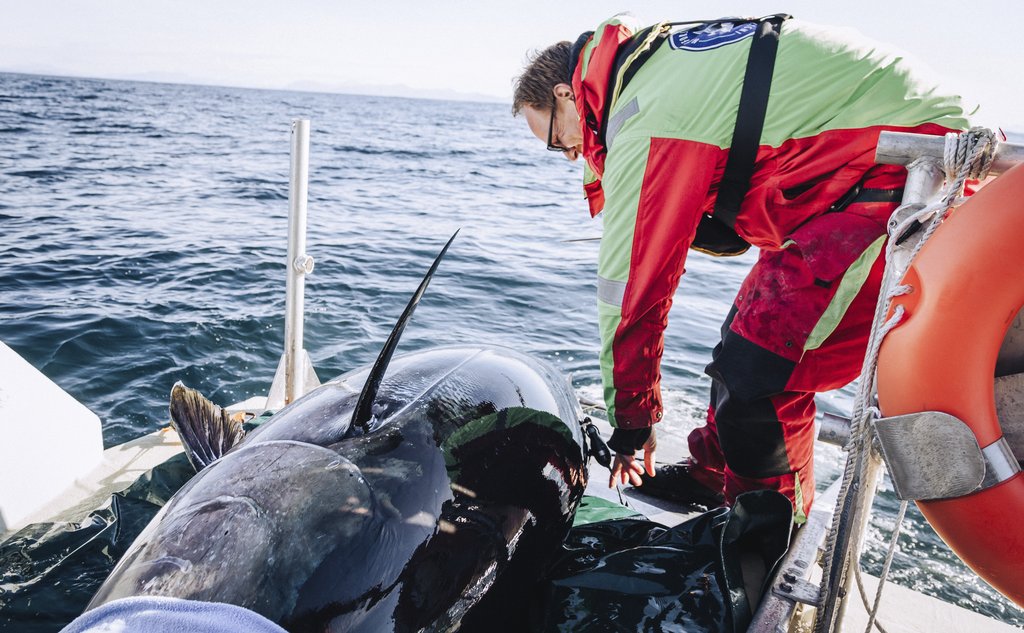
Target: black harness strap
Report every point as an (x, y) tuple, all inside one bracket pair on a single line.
[(746, 137), (715, 233)]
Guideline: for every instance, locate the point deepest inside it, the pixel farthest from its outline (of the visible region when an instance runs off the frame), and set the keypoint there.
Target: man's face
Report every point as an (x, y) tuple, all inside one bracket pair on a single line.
[(563, 122)]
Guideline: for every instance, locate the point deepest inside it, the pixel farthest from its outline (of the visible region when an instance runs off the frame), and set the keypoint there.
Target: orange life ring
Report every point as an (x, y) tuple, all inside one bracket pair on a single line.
[(968, 286)]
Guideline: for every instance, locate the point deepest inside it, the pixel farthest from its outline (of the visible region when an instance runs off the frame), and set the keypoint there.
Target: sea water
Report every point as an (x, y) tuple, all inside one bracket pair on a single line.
[(143, 235)]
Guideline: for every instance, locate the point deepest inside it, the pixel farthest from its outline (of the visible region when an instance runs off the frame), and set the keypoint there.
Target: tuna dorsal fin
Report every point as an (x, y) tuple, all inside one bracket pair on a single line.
[(206, 430), (361, 416)]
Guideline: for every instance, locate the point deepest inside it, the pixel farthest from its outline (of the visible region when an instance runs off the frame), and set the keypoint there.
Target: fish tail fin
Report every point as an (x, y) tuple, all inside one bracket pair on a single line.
[(205, 429)]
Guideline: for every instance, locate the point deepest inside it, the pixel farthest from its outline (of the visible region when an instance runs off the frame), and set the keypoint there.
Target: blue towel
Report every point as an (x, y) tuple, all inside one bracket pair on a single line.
[(165, 615)]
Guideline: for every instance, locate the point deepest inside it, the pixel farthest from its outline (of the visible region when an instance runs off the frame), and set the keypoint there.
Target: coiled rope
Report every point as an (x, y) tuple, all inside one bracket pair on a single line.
[(966, 155)]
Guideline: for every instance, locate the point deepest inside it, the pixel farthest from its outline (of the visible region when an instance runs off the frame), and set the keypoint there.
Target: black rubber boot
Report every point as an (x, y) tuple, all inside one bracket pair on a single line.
[(678, 483)]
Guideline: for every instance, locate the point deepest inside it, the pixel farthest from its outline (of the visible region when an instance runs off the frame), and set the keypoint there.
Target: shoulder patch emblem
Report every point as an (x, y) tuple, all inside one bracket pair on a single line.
[(711, 36)]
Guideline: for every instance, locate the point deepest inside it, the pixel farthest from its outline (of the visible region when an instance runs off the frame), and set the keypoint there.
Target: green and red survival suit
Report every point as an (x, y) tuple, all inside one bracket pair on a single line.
[(663, 117)]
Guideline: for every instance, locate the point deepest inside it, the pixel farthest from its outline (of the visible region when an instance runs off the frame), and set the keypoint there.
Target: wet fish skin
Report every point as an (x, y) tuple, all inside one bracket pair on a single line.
[(446, 507)]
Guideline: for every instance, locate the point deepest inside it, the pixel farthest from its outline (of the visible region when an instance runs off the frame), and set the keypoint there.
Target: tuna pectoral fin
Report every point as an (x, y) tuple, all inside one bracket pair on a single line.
[(206, 430)]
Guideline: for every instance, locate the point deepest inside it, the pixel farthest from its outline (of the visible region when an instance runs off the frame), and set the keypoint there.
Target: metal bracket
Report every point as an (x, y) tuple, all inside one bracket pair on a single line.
[(834, 429), (308, 381), (934, 455), (304, 264), (798, 590)]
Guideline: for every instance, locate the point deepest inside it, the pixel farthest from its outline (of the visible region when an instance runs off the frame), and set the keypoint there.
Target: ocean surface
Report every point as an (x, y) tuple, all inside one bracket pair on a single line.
[(144, 233)]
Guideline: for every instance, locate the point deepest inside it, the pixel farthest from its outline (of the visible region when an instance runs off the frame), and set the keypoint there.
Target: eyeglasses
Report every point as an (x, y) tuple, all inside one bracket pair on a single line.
[(551, 126)]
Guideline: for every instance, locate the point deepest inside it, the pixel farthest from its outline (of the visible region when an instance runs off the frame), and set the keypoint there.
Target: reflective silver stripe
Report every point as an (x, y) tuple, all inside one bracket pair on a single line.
[(1000, 464), (611, 292), (618, 120)]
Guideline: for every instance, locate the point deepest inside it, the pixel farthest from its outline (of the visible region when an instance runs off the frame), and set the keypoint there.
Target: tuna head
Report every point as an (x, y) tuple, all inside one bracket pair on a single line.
[(252, 528)]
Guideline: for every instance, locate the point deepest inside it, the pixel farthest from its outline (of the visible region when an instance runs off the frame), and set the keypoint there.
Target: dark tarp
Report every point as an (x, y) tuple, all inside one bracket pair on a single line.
[(631, 574), (617, 570), (50, 571)]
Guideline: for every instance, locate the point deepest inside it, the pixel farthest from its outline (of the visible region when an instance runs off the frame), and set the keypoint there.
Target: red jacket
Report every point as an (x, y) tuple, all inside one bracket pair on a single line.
[(656, 151)]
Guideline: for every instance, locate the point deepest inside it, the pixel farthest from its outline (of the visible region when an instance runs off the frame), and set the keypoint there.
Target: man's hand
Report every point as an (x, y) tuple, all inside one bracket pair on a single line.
[(626, 467)]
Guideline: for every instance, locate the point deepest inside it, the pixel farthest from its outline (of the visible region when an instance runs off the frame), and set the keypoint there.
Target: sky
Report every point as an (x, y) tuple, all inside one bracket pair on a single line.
[(475, 49)]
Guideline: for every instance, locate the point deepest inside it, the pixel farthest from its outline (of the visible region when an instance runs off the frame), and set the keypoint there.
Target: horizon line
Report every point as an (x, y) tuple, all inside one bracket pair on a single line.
[(456, 95)]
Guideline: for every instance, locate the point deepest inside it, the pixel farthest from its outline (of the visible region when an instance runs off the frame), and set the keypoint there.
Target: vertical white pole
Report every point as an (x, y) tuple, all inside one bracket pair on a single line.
[(299, 264)]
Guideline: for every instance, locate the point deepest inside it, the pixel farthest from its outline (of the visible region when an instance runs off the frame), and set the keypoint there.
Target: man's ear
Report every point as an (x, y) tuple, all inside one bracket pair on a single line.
[(563, 91)]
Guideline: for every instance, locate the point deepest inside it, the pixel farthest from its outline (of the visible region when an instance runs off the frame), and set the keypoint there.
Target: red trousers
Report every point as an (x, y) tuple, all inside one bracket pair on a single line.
[(799, 326)]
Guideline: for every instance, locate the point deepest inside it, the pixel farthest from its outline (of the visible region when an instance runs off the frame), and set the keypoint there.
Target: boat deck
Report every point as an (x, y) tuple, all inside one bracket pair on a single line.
[(903, 610)]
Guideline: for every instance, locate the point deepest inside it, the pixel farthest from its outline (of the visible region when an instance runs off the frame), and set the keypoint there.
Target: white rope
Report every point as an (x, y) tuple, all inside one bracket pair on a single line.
[(864, 598), (966, 155), (873, 612), (969, 154)]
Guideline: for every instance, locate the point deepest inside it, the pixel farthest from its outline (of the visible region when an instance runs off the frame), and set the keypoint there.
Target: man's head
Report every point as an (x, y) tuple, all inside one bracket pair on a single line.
[(543, 94)]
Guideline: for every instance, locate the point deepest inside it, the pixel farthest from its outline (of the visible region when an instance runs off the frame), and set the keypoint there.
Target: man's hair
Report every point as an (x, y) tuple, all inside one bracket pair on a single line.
[(544, 70)]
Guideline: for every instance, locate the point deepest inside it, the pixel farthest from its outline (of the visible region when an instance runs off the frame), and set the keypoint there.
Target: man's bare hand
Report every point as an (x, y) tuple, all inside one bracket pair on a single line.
[(627, 468)]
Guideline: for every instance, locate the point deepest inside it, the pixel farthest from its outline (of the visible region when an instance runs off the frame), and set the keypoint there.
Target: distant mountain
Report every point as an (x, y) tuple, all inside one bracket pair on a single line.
[(381, 90), (392, 90)]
